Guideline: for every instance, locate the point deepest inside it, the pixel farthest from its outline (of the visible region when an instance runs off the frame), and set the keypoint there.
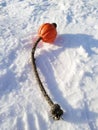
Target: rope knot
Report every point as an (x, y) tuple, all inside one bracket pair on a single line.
[(56, 112)]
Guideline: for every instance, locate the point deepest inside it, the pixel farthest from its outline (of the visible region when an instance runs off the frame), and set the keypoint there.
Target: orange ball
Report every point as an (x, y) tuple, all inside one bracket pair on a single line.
[(47, 32)]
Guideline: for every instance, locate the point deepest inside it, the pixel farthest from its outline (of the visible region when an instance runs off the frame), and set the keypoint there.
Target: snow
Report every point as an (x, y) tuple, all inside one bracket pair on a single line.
[(68, 68)]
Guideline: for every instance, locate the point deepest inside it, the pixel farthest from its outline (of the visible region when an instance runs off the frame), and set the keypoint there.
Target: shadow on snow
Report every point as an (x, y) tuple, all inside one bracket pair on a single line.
[(66, 41), (75, 41)]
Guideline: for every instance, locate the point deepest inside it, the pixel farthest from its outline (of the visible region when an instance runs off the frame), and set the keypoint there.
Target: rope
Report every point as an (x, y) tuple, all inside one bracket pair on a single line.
[(56, 111)]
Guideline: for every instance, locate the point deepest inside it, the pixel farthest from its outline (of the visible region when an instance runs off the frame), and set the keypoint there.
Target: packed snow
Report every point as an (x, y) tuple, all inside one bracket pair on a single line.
[(68, 68)]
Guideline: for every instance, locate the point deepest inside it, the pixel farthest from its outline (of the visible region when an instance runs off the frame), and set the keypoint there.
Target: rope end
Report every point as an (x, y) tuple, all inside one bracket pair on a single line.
[(56, 112)]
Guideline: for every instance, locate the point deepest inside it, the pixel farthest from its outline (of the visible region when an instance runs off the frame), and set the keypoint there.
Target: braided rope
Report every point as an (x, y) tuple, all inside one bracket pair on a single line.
[(56, 111)]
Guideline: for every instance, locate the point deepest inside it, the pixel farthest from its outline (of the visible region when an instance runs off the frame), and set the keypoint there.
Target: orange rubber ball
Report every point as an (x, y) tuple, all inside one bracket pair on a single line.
[(48, 32)]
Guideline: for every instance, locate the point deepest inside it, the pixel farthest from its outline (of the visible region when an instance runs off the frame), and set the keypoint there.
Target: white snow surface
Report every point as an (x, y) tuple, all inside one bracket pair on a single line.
[(68, 68)]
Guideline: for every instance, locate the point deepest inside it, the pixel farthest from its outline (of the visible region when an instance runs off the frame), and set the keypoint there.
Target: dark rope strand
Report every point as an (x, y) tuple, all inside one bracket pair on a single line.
[(37, 75), (56, 111)]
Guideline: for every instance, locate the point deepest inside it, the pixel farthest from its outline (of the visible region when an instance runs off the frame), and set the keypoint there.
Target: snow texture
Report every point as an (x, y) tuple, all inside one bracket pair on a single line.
[(68, 68)]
